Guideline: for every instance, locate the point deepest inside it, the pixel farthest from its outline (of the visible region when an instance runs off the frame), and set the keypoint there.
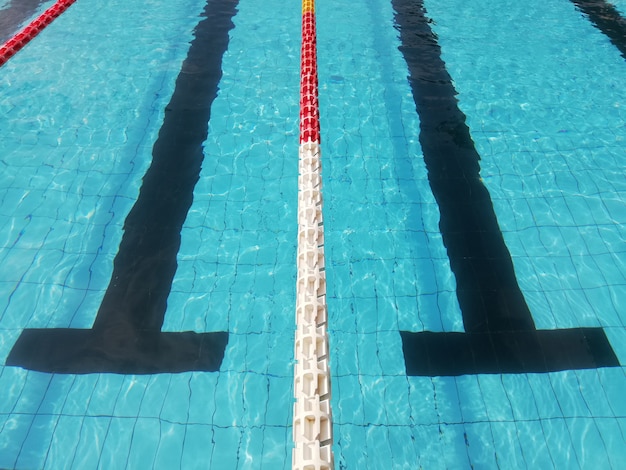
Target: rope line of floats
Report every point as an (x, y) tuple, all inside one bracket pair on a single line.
[(312, 422), (17, 42)]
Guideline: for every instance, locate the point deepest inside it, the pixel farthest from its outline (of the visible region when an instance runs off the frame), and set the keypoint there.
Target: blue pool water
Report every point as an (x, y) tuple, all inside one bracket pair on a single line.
[(81, 108)]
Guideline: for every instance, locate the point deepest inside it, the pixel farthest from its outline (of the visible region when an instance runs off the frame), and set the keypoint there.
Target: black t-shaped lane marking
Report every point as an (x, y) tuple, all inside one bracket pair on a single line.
[(607, 19), (500, 334), (126, 336)]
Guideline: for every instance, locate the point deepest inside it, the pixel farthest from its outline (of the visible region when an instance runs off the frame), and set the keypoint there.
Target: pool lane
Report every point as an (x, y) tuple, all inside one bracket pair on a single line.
[(126, 336), (236, 263), (500, 334)]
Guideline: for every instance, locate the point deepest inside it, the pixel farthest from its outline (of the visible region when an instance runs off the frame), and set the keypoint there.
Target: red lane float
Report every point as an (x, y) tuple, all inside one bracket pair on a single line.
[(309, 110), (13, 45)]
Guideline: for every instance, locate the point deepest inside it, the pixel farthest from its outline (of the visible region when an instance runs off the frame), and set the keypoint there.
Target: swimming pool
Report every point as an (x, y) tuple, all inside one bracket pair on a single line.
[(81, 109)]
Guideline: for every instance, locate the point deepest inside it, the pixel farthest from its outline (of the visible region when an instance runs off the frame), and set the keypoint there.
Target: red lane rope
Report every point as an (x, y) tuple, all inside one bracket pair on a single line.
[(309, 108), (13, 45)]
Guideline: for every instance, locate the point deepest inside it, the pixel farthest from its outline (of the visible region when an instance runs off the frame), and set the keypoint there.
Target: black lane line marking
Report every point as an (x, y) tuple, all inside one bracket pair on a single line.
[(607, 19), (126, 336), (500, 334), (15, 15)]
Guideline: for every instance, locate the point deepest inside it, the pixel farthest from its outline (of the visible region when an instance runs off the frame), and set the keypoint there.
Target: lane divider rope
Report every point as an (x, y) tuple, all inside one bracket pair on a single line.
[(17, 42), (312, 421)]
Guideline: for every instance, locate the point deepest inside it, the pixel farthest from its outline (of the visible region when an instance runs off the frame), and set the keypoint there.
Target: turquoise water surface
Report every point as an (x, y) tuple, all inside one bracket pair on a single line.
[(80, 110)]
